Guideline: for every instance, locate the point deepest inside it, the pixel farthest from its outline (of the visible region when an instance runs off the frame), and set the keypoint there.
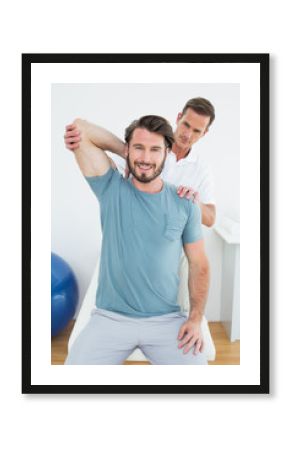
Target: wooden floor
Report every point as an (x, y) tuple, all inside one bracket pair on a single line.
[(227, 353)]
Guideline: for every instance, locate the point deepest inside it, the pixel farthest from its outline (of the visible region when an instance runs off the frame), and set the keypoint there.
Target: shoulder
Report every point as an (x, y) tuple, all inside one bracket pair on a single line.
[(104, 184), (181, 203), (194, 209), (111, 174), (171, 191)]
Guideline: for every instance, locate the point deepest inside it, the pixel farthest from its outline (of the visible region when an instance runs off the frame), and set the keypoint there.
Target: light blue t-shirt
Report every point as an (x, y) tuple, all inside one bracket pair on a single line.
[(142, 241)]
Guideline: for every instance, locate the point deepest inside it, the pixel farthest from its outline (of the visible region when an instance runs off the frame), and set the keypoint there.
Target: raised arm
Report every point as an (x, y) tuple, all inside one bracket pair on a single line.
[(99, 136), (91, 159), (198, 283)]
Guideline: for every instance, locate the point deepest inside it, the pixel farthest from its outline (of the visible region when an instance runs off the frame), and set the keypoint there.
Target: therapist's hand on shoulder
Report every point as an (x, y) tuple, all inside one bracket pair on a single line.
[(189, 193), (72, 137)]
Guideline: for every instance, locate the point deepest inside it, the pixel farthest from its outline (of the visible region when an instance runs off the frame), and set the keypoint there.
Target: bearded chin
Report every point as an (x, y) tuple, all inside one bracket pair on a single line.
[(142, 178)]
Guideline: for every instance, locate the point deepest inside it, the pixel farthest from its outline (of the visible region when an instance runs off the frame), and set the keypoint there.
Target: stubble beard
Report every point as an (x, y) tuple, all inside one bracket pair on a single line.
[(143, 178)]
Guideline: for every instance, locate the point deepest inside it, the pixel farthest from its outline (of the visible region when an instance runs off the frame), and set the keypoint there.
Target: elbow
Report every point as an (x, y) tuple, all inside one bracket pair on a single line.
[(209, 219), (79, 123), (82, 126), (204, 267), (200, 265)]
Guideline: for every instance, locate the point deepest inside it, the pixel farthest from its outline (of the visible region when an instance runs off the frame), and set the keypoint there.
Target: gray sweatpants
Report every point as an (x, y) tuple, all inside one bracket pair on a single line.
[(109, 338)]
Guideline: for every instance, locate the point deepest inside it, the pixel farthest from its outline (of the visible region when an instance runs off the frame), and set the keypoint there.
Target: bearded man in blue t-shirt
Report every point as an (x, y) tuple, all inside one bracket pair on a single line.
[(145, 225)]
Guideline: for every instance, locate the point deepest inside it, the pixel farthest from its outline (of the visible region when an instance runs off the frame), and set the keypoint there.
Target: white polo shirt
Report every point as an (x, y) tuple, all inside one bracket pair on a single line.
[(190, 172)]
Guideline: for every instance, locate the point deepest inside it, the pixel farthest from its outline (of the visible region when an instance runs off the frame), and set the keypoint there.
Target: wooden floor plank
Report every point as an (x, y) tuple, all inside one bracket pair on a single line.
[(227, 353)]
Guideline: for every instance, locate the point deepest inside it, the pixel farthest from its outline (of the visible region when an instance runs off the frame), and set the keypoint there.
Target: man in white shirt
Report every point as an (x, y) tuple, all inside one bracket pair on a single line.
[(183, 167)]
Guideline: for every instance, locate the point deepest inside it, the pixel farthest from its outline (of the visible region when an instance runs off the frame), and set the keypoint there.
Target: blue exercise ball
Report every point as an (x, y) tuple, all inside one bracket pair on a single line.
[(64, 294)]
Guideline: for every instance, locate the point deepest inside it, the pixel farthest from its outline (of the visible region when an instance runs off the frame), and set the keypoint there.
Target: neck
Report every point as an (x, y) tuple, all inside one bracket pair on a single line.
[(180, 152), (153, 187)]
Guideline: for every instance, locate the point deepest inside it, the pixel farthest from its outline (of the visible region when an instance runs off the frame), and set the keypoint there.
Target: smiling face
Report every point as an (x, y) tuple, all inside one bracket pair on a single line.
[(191, 126), (146, 155)]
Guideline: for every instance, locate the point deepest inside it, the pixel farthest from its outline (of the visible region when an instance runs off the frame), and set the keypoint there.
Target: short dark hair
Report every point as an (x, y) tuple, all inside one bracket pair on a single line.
[(201, 106), (154, 124)]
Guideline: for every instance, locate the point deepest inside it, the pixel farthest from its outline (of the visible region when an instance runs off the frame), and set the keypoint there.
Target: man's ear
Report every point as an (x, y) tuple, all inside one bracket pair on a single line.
[(167, 149), (126, 150), (179, 115)]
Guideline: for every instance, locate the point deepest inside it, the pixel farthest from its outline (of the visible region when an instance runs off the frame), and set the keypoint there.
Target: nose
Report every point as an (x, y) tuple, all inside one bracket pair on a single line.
[(146, 156), (187, 134)]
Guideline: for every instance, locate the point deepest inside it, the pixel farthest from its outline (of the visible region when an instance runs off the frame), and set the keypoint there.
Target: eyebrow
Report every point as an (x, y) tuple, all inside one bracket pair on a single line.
[(194, 129), (142, 145)]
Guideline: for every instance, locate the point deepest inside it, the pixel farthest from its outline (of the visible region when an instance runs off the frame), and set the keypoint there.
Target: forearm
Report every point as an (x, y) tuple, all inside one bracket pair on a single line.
[(207, 214), (102, 138), (198, 284)]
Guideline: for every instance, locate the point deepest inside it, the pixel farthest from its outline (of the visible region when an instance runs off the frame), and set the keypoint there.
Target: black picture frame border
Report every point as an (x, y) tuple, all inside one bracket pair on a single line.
[(259, 58)]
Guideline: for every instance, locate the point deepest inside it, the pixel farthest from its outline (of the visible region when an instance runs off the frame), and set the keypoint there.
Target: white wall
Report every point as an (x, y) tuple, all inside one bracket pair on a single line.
[(76, 233)]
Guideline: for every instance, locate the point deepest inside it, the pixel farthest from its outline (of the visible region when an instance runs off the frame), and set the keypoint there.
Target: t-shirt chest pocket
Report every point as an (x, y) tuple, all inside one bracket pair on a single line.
[(174, 227)]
